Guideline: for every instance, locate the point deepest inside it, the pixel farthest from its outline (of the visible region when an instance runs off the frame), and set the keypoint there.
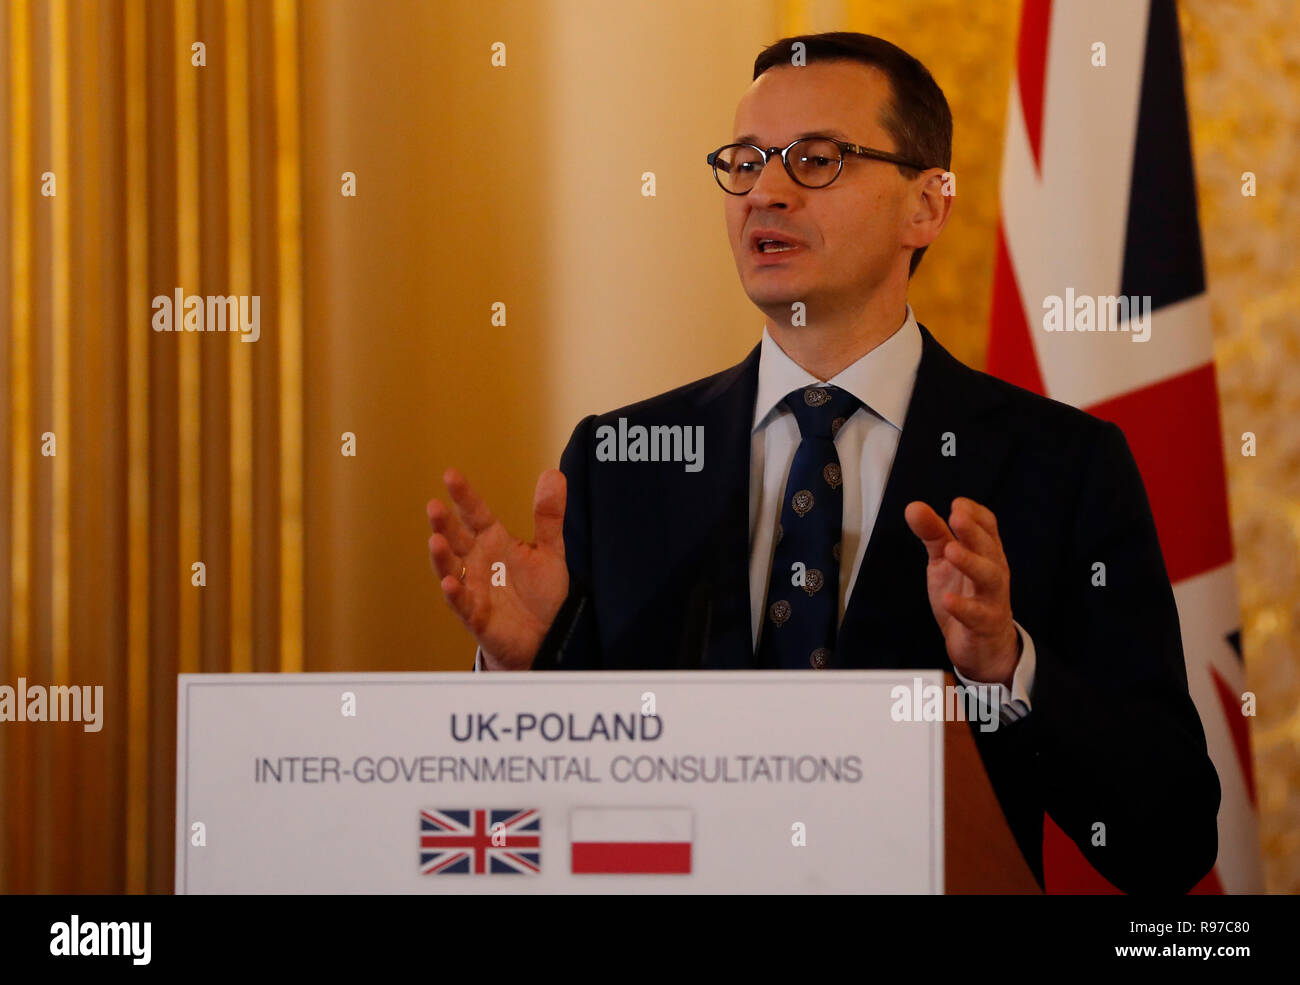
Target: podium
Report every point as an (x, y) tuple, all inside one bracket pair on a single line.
[(581, 782), (980, 852)]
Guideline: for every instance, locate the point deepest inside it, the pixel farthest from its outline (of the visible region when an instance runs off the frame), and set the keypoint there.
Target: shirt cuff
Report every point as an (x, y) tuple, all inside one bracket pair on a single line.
[(1013, 705), (1022, 681)]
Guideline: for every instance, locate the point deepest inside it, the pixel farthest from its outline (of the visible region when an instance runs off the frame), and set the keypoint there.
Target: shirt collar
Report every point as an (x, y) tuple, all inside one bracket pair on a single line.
[(882, 379)]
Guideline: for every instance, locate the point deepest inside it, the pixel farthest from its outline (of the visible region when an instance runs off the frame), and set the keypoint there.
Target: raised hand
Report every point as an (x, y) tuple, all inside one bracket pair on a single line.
[(969, 583), (509, 620)]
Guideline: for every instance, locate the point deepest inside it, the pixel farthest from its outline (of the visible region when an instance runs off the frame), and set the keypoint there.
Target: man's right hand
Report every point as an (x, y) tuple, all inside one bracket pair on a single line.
[(509, 620)]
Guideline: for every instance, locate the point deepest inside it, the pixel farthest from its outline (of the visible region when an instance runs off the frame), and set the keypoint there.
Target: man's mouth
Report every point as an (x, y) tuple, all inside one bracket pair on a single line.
[(774, 246)]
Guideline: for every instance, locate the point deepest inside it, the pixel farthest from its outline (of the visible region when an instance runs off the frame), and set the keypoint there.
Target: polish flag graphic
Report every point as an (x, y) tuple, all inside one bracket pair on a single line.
[(631, 840)]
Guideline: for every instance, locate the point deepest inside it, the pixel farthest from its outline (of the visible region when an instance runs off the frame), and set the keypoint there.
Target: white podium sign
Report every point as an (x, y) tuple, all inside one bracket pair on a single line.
[(556, 783)]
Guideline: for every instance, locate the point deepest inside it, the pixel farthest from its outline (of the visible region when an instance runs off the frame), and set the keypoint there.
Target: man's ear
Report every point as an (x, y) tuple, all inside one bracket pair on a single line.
[(929, 205)]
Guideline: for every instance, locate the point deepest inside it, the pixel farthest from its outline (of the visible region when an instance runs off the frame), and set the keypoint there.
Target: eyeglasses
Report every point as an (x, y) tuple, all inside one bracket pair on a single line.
[(817, 162)]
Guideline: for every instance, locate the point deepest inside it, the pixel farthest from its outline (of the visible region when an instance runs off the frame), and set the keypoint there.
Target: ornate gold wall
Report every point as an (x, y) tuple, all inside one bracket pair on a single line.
[(1243, 90), (475, 184)]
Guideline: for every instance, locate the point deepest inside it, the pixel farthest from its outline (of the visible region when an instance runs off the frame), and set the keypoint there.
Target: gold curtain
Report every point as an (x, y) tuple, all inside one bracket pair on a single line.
[(139, 163)]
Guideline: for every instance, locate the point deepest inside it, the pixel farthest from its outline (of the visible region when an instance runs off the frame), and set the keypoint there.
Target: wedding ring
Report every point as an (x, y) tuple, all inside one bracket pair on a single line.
[(461, 577)]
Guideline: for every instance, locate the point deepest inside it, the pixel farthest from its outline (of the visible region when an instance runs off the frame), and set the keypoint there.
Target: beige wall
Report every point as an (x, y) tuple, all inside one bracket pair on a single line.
[(478, 184), (611, 296)]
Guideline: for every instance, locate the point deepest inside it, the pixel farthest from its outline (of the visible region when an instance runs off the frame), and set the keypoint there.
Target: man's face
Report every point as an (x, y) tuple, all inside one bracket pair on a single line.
[(848, 233)]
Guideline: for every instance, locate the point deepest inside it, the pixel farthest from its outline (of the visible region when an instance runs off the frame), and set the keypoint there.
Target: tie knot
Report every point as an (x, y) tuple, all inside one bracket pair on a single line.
[(820, 410)]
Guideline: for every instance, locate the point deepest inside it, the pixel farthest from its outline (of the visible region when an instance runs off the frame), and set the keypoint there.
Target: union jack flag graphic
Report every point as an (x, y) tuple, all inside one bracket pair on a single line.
[(480, 842)]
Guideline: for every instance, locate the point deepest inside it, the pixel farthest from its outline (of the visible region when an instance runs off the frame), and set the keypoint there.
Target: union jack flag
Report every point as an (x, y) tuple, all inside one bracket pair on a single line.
[(480, 842), (1107, 155)]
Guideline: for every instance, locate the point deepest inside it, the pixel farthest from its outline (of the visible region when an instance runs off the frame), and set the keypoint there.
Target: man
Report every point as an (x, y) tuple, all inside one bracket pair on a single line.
[(808, 535)]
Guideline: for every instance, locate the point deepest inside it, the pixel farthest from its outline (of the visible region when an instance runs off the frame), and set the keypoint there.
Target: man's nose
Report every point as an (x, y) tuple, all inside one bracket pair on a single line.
[(774, 189)]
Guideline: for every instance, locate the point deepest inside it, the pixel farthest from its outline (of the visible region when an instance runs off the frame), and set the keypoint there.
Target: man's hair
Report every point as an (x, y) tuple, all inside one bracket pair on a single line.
[(917, 115)]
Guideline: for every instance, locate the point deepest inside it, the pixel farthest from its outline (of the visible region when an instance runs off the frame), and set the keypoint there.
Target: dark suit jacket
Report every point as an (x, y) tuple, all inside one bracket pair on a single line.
[(658, 559)]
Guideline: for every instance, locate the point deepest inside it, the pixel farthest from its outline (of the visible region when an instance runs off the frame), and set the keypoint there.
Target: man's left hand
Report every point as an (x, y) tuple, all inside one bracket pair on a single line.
[(970, 588)]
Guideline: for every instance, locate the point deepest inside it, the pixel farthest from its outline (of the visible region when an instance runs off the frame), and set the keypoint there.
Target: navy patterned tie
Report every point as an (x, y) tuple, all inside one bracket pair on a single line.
[(802, 609)]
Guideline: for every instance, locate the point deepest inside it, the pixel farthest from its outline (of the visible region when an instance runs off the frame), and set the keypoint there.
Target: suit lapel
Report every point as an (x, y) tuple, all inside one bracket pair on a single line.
[(728, 408)]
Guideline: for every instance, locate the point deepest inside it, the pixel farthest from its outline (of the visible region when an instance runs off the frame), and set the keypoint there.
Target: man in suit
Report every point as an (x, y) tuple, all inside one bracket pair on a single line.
[(807, 536)]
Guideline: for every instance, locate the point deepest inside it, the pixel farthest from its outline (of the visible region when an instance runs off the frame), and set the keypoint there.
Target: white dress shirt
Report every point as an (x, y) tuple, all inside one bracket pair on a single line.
[(883, 381)]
